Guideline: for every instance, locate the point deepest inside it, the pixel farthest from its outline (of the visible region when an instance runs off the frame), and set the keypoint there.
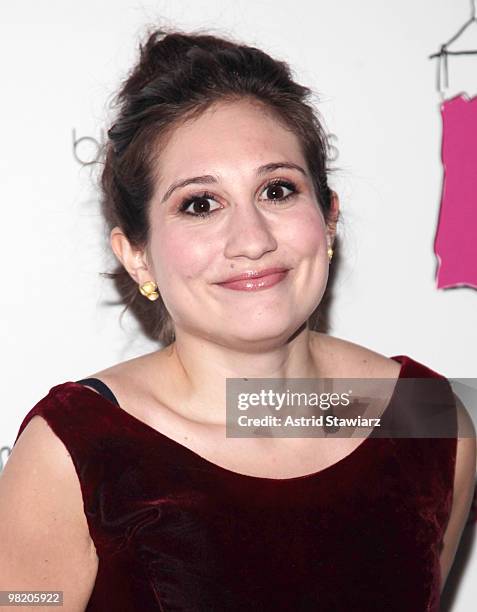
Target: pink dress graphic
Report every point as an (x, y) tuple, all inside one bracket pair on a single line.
[(456, 239)]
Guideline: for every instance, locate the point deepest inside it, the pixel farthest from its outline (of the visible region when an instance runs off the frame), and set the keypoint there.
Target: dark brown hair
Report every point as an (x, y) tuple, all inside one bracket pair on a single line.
[(177, 77)]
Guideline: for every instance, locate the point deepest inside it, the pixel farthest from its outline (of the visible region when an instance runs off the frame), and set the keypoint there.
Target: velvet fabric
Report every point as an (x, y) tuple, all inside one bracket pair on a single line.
[(176, 532)]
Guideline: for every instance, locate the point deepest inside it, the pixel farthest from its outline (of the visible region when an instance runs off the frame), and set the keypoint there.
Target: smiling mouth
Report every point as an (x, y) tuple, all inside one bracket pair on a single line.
[(255, 283)]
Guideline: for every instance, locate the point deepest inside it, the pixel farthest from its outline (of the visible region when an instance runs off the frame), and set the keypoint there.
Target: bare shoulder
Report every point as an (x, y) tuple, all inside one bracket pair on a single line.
[(131, 368), (342, 358), (45, 538), (131, 382), (131, 375)]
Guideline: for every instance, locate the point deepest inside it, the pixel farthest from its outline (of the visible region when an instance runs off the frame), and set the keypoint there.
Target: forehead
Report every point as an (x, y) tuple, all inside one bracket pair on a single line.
[(229, 135)]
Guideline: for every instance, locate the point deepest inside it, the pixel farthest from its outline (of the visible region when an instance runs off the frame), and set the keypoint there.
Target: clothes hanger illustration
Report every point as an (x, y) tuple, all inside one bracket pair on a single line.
[(444, 52)]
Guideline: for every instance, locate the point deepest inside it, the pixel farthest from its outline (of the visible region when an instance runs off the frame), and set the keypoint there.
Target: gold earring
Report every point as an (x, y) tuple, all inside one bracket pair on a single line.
[(149, 290), (330, 253)]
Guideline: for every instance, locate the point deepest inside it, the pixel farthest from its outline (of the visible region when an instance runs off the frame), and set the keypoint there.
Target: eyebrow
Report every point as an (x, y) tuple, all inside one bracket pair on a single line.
[(207, 179)]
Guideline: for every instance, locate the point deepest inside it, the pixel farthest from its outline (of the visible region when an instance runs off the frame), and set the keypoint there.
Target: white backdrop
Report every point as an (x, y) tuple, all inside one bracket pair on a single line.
[(368, 62)]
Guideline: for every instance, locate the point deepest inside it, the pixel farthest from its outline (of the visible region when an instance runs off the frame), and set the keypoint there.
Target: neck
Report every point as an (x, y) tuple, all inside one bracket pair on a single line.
[(198, 368)]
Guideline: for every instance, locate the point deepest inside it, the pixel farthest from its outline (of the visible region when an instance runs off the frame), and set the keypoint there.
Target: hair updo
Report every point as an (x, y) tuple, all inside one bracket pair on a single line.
[(178, 76)]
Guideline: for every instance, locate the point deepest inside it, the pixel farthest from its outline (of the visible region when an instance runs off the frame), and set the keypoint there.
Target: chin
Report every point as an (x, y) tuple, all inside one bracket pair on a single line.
[(263, 333)]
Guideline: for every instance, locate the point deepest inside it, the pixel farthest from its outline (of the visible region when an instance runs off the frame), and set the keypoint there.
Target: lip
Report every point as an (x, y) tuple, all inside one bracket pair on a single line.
[(254, 280)]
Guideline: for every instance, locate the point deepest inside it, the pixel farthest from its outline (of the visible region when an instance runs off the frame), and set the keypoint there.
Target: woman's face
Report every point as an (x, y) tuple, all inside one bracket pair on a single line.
[(254, 216)]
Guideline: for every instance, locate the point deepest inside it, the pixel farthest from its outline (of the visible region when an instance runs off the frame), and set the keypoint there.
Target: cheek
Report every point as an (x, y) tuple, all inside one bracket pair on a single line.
[(178, 255), (306, 234)]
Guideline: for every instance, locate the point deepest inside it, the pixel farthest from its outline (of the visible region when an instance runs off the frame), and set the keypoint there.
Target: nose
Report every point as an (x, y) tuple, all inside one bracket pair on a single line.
[(249, 234)]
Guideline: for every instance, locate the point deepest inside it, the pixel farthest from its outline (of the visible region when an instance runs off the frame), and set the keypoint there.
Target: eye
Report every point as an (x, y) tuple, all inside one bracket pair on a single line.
[(277, 186), (199, 203)]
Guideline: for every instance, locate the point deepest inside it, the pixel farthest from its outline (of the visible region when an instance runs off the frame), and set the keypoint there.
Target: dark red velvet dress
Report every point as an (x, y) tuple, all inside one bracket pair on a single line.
[(176, 532)]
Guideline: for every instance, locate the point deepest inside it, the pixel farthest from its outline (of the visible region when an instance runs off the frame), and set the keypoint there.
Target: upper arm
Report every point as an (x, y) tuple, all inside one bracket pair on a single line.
[(464, 485), (43, 530)]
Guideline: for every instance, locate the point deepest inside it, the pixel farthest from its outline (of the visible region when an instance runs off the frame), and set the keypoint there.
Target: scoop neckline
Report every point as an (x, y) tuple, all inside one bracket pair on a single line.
[(404, 360)]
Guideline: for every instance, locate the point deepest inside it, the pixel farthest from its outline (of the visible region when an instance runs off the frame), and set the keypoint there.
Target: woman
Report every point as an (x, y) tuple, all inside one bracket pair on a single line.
[(215, 169)]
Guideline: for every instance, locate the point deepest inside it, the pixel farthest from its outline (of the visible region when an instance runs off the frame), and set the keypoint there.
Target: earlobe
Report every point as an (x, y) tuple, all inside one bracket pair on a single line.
[(132, 259), (335, 206), (333, 216), (117, 239)]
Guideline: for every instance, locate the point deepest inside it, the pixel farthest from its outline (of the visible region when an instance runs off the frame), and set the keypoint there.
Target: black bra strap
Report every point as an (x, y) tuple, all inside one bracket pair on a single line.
[(101, 387)]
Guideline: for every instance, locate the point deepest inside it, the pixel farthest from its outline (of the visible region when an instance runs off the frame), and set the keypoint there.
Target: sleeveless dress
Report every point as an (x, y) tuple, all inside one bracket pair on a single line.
[(175, 532), (455, 245)]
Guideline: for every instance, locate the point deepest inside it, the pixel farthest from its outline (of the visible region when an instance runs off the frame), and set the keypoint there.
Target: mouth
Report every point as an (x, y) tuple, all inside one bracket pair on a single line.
[(255, 281)]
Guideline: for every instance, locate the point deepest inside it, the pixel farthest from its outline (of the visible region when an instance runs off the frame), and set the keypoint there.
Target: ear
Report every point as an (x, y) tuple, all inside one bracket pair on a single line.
[(133, 259), (332, 216)]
